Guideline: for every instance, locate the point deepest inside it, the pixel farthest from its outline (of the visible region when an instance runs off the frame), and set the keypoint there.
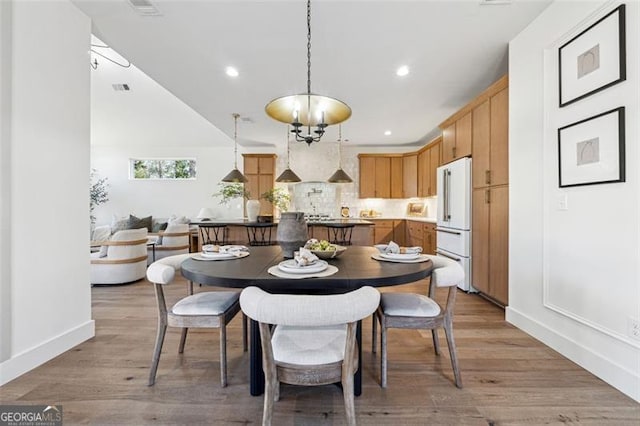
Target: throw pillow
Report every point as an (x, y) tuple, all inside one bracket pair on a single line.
[(137, 223), (179, 220), (157, 227)]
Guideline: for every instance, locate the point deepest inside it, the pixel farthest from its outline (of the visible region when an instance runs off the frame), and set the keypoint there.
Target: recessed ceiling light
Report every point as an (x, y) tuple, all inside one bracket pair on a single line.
[(402, 71), (231, 72), (387, 133)]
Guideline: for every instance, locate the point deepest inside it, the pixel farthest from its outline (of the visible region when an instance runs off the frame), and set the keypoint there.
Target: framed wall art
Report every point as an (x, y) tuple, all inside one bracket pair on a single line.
[(594, 59), (591, 151)]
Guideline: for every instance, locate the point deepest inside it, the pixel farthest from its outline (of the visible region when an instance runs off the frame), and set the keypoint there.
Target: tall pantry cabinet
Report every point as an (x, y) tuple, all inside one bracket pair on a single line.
[(490, 178)]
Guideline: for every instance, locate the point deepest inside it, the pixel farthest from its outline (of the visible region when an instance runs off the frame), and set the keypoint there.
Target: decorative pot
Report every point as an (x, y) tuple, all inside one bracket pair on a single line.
[(253, 209), (292, 232)]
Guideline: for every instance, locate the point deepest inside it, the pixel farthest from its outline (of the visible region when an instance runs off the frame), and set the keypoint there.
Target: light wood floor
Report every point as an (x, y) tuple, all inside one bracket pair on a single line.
[(509, 378)]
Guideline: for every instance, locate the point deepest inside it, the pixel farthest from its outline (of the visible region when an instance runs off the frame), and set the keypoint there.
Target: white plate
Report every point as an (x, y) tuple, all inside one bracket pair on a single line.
[(199, 256), (292, 267), (214, 255), (400, 256)]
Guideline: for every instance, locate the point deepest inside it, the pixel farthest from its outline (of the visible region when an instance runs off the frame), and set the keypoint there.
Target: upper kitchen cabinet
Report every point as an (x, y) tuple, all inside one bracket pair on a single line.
[(259, 169), (381, 176), (456, 138), (428, 162), (491, 141), (410, 175)]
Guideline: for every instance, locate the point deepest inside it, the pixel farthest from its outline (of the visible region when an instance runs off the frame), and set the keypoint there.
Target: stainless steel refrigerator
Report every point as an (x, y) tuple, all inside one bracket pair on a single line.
[(454, 215)]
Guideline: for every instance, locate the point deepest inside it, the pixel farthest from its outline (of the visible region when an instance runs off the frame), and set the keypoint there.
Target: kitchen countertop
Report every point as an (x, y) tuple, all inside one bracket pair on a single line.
[(242, 222), (413, 218)]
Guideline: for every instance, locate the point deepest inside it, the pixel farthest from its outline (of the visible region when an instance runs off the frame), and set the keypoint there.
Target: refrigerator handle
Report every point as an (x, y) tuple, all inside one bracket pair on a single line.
[(440, 253), (445, 190), (448, 175), (447, 231)]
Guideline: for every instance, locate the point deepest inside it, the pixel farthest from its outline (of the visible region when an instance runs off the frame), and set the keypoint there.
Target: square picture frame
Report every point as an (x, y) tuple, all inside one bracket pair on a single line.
[(593, 60), (592, 151)]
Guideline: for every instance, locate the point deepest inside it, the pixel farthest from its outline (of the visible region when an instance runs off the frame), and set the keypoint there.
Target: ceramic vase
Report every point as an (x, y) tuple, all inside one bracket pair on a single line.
[(253, 210), (292, 232)]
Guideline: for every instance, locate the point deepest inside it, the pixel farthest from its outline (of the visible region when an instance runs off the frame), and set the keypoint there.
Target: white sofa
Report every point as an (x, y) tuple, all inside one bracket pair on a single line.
[(122, 259)]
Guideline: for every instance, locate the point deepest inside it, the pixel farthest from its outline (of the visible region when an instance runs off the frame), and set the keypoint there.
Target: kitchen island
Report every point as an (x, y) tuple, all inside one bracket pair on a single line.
[(236, 233)]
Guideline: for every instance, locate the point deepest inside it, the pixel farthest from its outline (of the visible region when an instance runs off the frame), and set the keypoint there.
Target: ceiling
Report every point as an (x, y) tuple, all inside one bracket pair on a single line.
[(454, 50)]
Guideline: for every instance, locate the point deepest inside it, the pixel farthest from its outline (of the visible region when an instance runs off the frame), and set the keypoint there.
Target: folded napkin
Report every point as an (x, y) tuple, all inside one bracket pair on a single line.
[(233, 249), (394, 248), (304, 257), (211, 248)]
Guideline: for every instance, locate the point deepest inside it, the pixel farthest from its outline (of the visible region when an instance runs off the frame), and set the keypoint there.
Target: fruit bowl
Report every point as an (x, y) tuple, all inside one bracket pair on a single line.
[(329, 254)]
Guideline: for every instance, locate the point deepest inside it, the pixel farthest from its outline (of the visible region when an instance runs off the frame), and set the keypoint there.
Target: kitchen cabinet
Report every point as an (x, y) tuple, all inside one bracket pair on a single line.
[(456, 138), (386, 230), (490, 224), (397, 186), (421, 234), (429, 238), (259, 169), (410, 175), (380, 176), (490, 151), (428, 162)]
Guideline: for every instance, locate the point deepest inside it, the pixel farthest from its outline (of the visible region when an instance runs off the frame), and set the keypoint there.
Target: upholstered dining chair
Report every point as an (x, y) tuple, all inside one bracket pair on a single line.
[(210, 309), (308, 340), (416, 311), (122, 259)]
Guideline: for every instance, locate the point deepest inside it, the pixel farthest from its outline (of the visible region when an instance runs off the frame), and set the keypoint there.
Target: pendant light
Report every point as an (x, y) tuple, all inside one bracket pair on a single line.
[(340, 176), (235, 175), (308, 109), (288, 175)]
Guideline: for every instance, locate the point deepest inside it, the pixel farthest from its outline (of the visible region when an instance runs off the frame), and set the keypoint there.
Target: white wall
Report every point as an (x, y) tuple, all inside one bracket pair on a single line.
[(573, 279), (46, 276)]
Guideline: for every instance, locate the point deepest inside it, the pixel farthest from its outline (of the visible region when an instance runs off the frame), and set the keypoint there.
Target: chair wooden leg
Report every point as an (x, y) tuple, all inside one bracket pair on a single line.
[(183, 340), (374, 332), (383, 354), (267, 410), (245, 344), (347, 392), (448, 330), (162, 329), (223, 355), (436, 342)]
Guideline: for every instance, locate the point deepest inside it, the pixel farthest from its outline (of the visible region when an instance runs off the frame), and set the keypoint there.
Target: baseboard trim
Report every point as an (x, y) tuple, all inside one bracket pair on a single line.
[(32, 358), (619, 377)]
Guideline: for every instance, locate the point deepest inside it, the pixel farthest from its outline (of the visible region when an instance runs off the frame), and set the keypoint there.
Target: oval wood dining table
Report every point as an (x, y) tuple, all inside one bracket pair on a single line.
[(356, 268)]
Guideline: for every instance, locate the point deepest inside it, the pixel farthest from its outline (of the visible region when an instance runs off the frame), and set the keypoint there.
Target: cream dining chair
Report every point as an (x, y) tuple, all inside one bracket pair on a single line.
[(312, 341), (210, 309), (416, 311)]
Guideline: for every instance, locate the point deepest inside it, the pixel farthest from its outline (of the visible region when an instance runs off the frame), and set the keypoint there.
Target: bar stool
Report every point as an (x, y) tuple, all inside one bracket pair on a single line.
[(213, 234), (339, 233), (259, 234)]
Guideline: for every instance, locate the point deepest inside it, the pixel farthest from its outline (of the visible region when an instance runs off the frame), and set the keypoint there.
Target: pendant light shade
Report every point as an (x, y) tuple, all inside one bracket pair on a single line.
[(340, 176), (288, 175), (235, 175)]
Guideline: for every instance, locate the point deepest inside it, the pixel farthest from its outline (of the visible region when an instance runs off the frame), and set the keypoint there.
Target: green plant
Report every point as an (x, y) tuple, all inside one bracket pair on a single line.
[(97, 192), (279, 197), (229, 191)]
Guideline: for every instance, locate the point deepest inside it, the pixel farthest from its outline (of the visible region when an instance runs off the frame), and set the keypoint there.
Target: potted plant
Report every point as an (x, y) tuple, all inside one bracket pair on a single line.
[(97, 193), (229, 191), (279, 197)]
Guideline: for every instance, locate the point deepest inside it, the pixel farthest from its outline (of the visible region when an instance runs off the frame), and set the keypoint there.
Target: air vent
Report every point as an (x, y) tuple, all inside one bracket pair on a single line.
[(494, 2), (123, 87), (247, 120), (145, 8)]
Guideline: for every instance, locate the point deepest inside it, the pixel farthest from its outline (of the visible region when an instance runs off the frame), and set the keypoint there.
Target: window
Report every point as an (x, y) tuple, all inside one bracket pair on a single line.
[(182, 168)]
